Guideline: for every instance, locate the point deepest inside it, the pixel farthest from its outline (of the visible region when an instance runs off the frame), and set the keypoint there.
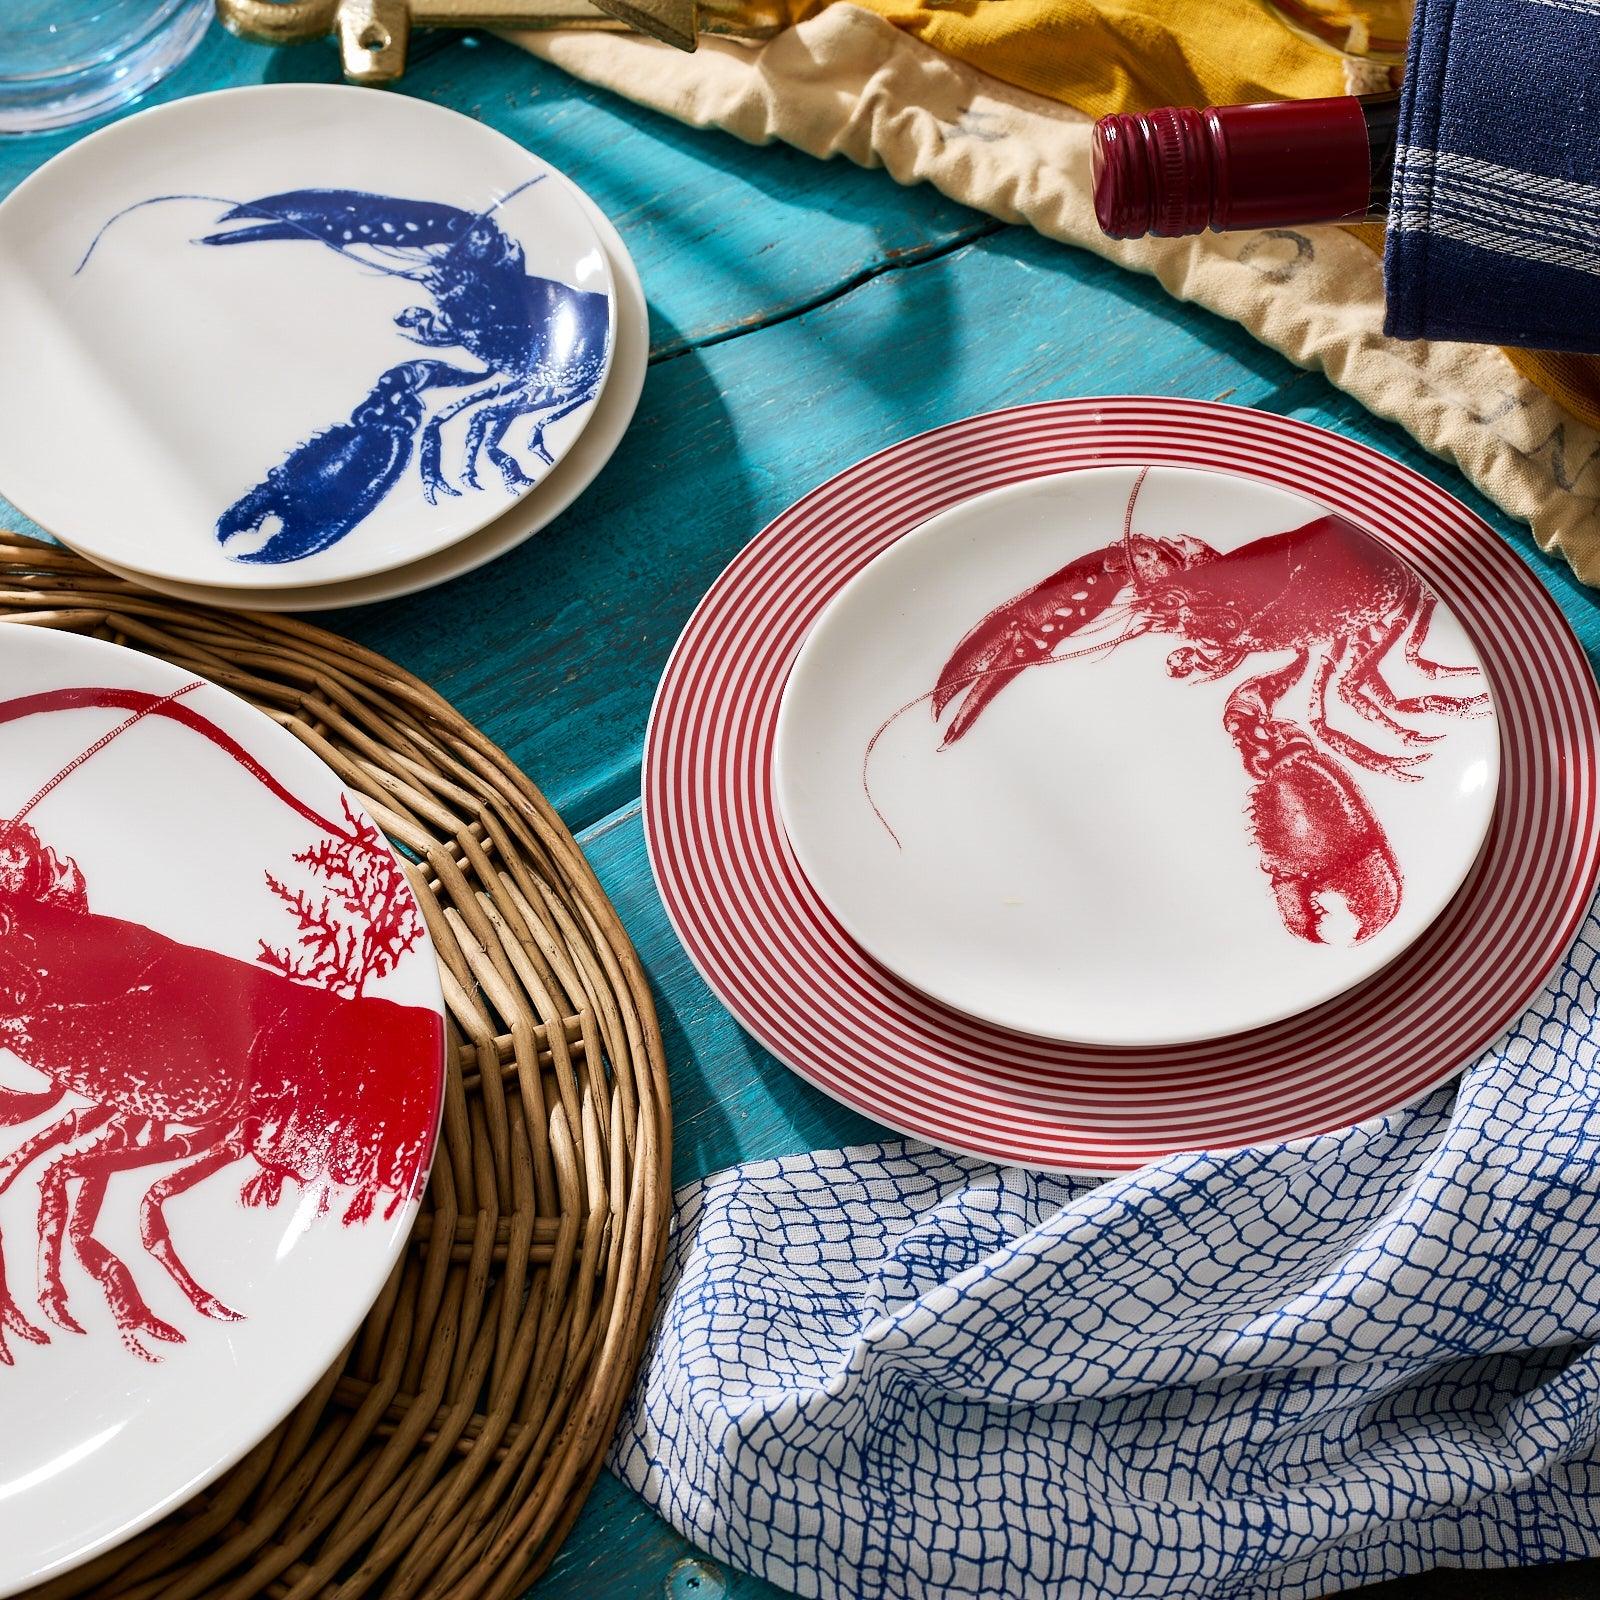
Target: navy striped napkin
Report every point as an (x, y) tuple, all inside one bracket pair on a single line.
[(1494, 228)]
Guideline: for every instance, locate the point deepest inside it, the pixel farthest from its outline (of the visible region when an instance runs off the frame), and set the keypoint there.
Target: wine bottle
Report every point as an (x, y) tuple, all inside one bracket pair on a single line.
[(1177, 171)]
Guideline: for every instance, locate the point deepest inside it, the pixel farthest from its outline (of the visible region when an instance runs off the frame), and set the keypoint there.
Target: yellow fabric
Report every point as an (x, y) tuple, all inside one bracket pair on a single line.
[(1114, 55), (1121, 55), (1375, 28), (1572, 381)]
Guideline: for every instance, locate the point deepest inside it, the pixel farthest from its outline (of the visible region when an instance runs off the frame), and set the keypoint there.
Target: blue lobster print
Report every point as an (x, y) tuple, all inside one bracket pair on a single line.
[(539, 348)]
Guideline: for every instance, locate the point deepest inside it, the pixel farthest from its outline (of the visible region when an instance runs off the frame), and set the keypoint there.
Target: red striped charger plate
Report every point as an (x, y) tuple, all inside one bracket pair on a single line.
[(777, 959)]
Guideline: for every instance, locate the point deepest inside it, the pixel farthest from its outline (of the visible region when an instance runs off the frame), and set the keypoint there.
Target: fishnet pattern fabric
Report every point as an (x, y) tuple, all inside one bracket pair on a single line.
[(887, 1372)]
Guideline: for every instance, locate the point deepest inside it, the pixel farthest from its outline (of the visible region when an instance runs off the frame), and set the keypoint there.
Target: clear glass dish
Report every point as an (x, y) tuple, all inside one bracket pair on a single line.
[(65, 61)]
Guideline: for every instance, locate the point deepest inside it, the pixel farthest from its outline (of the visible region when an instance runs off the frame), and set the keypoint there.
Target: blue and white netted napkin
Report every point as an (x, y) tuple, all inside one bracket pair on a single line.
[(887, 1372), (1494, 226)]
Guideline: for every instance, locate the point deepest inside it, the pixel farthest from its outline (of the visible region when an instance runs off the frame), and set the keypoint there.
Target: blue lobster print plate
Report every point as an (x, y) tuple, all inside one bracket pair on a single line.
[(314, 334), (566, 482)]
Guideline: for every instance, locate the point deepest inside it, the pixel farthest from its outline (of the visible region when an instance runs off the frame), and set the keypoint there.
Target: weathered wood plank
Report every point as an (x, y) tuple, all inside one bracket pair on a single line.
[(726, 237), (621, 1550)]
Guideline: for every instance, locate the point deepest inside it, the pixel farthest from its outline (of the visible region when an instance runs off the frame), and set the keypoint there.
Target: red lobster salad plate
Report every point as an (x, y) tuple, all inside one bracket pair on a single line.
[(221, 1064), (1263, 760), (771, 947)]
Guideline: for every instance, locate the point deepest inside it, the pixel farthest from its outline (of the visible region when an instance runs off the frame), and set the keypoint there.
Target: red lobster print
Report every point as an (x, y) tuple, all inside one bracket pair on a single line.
[(186, 1058), (1335, 598)]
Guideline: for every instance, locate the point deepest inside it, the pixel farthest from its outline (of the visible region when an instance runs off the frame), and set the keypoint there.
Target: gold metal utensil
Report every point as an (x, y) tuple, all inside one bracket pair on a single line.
[(373, 34)]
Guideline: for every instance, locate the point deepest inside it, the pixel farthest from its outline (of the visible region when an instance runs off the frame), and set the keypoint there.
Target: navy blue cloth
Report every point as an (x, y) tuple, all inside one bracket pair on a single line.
[(1494, 228)]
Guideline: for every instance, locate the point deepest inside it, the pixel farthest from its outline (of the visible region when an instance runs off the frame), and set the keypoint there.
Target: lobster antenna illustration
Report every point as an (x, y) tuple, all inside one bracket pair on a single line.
[(1127, 524), (248, 209), (99, 745), (1134, 629), (164, 199), (142, 706), (253, 210), (511, 194)]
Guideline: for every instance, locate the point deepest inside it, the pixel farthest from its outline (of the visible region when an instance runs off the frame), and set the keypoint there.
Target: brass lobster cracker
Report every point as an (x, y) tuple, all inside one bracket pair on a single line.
[(373, 34)]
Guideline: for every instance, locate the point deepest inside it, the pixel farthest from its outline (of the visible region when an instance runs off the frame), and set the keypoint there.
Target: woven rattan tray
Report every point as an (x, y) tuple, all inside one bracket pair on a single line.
[(449, 1451)]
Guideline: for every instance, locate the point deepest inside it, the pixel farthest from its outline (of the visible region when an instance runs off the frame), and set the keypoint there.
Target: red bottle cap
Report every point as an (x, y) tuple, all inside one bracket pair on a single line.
[(1178, 171)]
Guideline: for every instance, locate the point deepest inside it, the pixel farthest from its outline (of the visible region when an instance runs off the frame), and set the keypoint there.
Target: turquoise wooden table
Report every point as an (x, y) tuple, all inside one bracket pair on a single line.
[(801, 315)]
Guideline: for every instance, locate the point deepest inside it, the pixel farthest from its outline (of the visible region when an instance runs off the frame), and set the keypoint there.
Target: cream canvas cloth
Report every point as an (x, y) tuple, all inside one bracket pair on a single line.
[(848, 83)]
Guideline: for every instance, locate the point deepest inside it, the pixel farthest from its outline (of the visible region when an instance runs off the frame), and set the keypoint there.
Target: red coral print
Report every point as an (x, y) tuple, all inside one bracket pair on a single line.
[(359, 929)]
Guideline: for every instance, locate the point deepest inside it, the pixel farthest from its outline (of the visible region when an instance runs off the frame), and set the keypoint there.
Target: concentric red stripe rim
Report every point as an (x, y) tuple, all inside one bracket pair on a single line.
[(774, 955)]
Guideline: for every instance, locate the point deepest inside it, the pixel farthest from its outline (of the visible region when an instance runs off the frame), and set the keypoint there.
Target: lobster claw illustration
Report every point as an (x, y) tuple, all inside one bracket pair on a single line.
[(1315, 833), (1021, 633), (345, 217), (324, 487), (1032, 627), (1338, 603)]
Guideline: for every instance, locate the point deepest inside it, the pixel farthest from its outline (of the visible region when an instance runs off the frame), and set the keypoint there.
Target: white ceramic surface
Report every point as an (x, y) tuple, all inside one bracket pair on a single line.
[(138, 992), (262, 412), (536, 510), (1068, 851)]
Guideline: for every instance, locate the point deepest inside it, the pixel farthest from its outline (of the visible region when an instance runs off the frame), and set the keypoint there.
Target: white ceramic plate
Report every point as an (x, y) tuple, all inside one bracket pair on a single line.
[(776, 956), (1136, 813), (536, 510), (293, 334), (276, 1130)]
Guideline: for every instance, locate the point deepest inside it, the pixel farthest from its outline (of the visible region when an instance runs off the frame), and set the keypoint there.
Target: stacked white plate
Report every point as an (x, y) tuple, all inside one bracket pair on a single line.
[(297, 347), (1106, 778)]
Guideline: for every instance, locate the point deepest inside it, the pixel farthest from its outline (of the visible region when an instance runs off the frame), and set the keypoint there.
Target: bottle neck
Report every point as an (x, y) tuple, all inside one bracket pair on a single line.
[(1177, 171)]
